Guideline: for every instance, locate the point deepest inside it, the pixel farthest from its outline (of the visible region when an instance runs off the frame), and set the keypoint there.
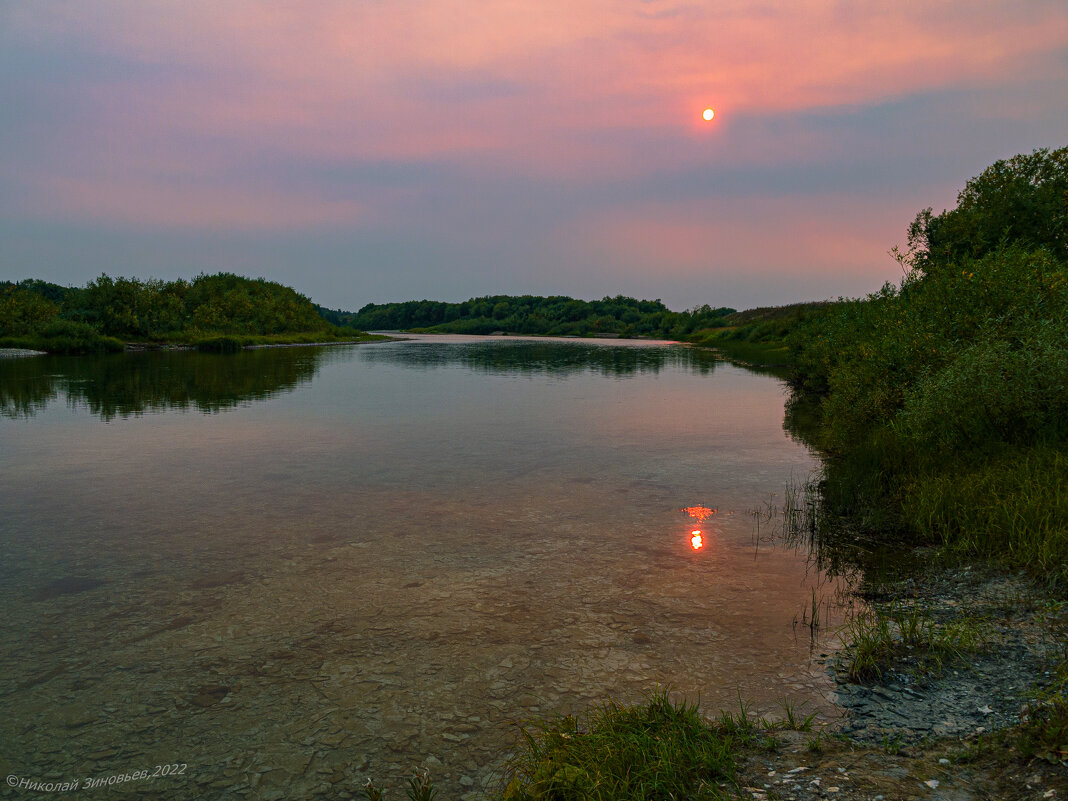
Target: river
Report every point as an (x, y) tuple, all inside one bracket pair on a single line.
[(285, 570)]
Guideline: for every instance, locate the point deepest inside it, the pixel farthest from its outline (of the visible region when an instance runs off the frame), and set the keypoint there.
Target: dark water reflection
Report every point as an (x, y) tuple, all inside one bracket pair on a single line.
[(380, 557), (137, 383), (122, 385), (558, 357)]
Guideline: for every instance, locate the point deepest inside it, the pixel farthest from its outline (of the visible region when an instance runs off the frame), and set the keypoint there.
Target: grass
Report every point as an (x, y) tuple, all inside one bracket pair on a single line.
[(757, 336), (1012, 507), (733, 344), (815, 745), (878, 639), (793, 720), (760, 353), (1044, 733), (420, 788), (660, 749)]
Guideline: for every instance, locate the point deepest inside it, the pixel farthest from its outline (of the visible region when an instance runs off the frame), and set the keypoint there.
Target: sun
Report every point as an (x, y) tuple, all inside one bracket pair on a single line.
[(708, 114)]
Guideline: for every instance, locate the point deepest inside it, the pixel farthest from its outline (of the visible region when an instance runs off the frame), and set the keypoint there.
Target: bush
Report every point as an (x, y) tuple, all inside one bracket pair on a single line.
[(994, 392), (943, 403)]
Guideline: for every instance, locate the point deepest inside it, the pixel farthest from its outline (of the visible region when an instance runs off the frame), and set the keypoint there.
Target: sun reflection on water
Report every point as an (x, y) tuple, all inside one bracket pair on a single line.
[(700, 514)]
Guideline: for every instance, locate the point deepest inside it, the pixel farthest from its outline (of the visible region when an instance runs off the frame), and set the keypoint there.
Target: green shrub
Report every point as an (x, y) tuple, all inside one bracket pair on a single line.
[(943, 403), (994, 391)]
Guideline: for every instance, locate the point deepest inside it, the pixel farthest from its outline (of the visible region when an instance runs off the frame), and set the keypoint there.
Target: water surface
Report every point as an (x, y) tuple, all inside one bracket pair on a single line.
[(292, 568)]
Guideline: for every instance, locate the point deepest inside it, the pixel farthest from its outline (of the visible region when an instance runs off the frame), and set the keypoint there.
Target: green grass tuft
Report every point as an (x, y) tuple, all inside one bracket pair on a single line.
[(657, 750), (878, 639)]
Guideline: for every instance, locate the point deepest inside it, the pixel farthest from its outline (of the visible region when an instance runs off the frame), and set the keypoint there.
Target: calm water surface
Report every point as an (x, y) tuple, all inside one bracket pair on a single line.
[(290, 569)]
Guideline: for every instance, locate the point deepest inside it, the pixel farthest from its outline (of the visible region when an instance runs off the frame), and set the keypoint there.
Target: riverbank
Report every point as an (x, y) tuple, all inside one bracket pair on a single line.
[(226, 344), (19, 353), (972, 726), (939, 407), (29, 346)]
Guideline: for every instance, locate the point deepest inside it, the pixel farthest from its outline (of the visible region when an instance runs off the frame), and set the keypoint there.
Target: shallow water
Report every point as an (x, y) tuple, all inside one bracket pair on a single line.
[(291, 569)]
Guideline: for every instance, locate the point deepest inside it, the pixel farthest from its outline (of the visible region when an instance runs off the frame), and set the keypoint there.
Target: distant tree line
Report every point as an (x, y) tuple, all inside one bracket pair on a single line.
[(109, 310), (530, 314)]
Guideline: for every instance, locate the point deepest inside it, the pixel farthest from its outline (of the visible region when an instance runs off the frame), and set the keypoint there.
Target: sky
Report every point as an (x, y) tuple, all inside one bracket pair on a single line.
[(387, 150)]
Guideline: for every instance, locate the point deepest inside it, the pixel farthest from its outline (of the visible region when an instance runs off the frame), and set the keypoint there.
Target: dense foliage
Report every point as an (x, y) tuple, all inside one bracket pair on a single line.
[(756, 336), (106, 310), (1020, 201), (528, 314), (943, 402)]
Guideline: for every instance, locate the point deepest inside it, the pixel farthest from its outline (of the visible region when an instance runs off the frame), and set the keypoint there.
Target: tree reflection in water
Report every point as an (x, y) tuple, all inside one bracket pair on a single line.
[(124, 385)]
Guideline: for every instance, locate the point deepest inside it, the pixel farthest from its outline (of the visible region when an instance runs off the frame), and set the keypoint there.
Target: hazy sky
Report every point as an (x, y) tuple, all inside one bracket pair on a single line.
[(378, 150)]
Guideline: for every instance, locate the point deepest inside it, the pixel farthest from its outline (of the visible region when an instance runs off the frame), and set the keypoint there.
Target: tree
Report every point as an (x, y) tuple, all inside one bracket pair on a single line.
[(23, 311), (1020, 201)]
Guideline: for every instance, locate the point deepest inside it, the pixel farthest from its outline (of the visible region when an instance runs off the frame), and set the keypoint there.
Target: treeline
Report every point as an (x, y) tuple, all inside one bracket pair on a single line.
[(528, 314), (943, 402), (225, 308)]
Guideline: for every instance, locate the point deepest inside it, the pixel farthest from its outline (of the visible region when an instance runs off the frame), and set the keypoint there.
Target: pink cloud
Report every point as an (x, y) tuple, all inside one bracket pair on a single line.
[(327, 74), (573, 92)]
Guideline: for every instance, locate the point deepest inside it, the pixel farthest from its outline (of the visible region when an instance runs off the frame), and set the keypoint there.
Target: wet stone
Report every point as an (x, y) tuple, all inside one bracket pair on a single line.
[(209, 695)]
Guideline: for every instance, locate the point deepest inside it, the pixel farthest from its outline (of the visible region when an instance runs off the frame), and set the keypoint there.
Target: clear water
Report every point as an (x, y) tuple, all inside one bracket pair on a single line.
[(293, 568)]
